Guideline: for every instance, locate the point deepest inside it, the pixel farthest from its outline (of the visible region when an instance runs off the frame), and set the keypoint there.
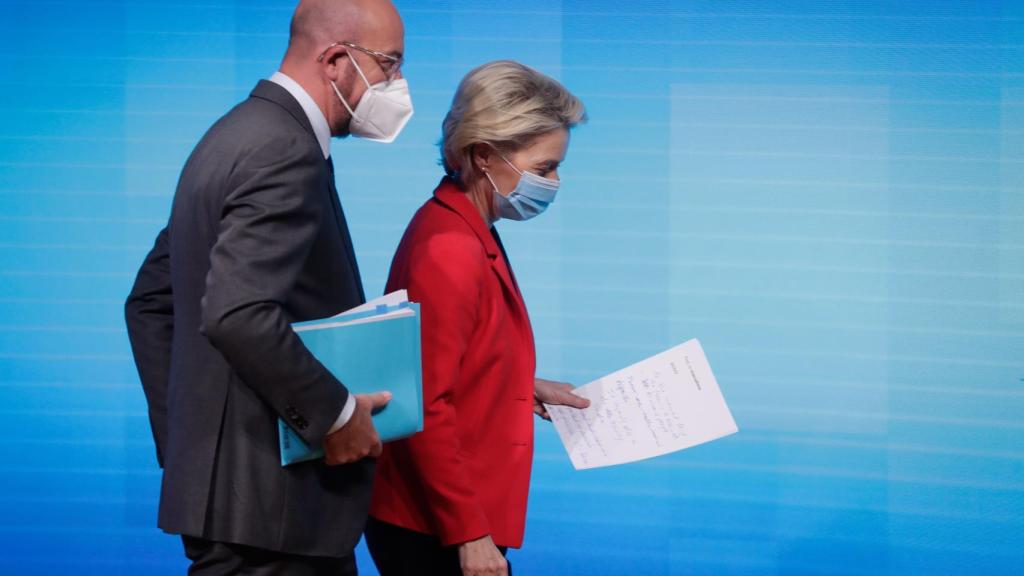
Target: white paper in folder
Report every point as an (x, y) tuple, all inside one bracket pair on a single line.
[(665, 403)]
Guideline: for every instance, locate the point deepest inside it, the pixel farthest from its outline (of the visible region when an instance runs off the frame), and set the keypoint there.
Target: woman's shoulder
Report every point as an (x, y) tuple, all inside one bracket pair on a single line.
[(438, 253), (438, 231)]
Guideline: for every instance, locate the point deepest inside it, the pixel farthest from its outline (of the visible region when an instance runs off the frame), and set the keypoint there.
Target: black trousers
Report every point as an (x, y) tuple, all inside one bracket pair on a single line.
[(399, 551), (221, 559)]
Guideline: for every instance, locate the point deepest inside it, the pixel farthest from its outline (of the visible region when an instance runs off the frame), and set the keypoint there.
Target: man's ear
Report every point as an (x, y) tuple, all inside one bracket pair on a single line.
[(483, 155), (334, 62)]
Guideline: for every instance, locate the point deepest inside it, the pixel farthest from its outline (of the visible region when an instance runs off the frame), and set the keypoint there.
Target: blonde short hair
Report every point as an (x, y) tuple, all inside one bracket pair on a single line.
[(505, 104)]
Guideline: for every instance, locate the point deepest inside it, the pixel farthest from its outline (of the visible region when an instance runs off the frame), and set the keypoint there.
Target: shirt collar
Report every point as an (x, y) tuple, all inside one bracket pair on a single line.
[(313, 112)]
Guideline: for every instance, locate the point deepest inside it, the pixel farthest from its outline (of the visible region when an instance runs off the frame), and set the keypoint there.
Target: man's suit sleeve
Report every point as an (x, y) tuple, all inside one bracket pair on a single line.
[(149, 316), (270, 218), (445, 276)]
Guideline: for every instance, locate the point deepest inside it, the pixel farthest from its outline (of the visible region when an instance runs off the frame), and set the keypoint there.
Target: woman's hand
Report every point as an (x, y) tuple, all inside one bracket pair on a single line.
[(481, 557), (549, 392)]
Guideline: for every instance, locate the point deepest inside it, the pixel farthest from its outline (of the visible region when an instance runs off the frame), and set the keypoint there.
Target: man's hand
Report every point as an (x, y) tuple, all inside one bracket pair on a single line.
[(481, 557), (548, 392), (357, 439)]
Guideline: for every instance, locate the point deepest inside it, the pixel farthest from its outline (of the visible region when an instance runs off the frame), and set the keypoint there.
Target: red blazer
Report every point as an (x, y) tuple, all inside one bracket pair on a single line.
[(467, 473)]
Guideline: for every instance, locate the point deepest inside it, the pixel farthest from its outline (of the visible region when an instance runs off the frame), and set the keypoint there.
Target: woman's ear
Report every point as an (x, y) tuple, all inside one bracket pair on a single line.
[(483, 155)]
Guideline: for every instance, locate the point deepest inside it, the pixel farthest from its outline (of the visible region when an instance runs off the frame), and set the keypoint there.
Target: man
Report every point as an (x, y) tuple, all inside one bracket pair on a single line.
[(256, 240)]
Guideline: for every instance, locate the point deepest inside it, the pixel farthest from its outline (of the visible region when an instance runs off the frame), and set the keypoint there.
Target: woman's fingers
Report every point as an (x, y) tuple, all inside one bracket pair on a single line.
[(546, 391), (566, 397)]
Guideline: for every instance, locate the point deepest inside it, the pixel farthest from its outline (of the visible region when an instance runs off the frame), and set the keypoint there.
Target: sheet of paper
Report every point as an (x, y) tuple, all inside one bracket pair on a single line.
[(390, 299), (665, 403)]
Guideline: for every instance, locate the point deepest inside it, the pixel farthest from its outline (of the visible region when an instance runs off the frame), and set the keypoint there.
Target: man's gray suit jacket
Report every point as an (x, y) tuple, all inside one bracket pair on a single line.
[(256, 240)]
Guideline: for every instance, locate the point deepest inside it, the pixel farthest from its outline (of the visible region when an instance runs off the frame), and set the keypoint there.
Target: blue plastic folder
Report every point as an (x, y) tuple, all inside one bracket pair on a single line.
[(368, 351)]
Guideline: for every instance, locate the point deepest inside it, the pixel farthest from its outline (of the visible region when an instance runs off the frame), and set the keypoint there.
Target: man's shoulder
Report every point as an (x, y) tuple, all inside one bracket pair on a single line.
[(255, 121), (254, 130)]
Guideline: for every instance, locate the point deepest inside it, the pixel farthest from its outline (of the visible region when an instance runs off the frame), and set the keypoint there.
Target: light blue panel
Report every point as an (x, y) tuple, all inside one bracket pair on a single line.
[(829, 194)]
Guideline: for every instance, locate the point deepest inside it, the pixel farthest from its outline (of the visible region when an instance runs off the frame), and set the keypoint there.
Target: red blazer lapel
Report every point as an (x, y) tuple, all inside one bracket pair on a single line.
[(451, 195)]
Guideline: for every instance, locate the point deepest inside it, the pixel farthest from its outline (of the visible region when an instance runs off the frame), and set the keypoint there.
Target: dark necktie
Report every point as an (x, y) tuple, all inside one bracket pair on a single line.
[(346, 238)]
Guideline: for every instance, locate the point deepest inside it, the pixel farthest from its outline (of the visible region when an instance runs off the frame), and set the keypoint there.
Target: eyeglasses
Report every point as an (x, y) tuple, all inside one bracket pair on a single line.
[(389, 63)]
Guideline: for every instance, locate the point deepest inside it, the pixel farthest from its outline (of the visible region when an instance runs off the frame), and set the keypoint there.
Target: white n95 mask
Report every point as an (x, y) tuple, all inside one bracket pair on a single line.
[(382, 112)]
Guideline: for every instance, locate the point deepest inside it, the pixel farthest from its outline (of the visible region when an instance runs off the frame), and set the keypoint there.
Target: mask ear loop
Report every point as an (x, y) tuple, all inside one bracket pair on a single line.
[(523, 173), (359, 70), (342, 98), (509, 162), (361, 75), (545, 182), (488, 174), (491, 180)]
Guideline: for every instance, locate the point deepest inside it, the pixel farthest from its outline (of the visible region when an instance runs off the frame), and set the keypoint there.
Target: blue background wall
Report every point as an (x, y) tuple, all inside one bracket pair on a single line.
[(829, 194)]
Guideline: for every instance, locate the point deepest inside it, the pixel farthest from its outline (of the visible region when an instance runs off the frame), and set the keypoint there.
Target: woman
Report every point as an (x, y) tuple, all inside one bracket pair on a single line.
[(452, 499)]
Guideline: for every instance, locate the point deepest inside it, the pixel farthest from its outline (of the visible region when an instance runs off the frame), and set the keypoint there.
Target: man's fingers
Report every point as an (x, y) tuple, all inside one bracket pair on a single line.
[(335, 461), (377, 399), (378, 447)]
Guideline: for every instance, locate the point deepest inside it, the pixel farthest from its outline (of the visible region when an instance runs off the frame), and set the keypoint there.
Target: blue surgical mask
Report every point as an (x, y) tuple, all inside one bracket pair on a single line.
[(531, 196)]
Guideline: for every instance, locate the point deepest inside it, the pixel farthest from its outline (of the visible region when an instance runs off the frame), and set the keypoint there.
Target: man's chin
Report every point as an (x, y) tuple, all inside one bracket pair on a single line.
[(343, 131)]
